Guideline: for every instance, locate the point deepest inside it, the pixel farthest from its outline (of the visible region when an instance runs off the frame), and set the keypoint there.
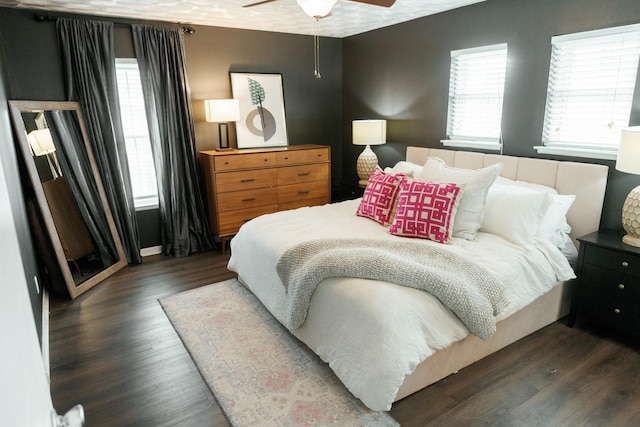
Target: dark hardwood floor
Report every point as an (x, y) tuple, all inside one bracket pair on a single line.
[(114, 351)]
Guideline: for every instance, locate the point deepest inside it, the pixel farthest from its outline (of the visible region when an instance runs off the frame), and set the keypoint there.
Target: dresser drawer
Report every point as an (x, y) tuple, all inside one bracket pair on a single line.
[(609, 282), (618, 313), (612, 260), (247, 199), (244, 161), (303, 173), (231, 221), (245, 180), (304, 191), (295, 204), (302, 156)]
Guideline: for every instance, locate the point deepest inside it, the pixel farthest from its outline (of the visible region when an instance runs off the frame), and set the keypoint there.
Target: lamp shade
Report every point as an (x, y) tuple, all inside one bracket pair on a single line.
[(41, 142), (222, 110), (316, 8), (629, 151), (369, 132)]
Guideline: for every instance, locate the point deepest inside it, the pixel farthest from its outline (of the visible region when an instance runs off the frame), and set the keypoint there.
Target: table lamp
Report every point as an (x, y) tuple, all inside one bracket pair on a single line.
[(222, 111), (629, 161), (368, 132), (41, 143)]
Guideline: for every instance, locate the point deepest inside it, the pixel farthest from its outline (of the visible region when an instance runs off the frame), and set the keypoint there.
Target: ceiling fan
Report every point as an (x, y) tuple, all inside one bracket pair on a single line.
[(319, 8)]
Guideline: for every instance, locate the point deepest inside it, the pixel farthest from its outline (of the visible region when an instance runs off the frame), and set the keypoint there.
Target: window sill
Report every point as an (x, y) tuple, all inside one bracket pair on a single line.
[(577, 152), (482, 145), (147, 207)]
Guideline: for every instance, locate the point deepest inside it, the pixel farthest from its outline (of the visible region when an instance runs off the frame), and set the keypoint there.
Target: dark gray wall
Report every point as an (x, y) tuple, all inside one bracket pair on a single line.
[(9, 160), (313, 106), (401, 73)]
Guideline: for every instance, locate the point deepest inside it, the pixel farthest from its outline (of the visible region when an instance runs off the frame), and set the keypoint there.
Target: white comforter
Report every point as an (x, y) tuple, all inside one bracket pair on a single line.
[(371, 333)]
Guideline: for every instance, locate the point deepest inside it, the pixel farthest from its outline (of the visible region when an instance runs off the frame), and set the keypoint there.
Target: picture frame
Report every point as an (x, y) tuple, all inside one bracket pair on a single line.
[(262, 120)]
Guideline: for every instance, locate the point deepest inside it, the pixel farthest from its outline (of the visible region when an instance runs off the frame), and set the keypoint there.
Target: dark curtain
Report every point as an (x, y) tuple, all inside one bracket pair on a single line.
[(76, 169), (88, 61), (161, 62)]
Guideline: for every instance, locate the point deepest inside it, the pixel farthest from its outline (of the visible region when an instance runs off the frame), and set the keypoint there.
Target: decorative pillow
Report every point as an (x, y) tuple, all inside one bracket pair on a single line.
[(405, 168), (379, 198), (514, 213), (426, 210), (476, 184)]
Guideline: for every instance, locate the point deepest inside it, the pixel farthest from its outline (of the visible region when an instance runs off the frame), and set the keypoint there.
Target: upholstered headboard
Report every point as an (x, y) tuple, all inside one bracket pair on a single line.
[(587, 181)]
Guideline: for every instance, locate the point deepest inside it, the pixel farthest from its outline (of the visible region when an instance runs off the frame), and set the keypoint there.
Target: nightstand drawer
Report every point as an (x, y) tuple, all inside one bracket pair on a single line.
[(618, 313), (245, 161), (303, 156), (304, 173), (244, 180), (611, 283), (612, 260)]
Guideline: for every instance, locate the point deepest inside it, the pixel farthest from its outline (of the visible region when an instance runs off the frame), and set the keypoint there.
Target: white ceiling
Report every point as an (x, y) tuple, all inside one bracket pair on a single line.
[(285, 16)]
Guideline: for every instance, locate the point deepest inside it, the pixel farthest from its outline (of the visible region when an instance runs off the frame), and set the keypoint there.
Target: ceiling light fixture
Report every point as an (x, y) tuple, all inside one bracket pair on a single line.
[(316, 9)]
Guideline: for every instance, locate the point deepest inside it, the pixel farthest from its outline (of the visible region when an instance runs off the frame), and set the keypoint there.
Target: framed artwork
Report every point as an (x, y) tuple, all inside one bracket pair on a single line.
[(262, 118)]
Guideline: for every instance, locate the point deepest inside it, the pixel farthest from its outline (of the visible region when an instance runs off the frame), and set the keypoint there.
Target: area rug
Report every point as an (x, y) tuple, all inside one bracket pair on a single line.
[(259, 373)]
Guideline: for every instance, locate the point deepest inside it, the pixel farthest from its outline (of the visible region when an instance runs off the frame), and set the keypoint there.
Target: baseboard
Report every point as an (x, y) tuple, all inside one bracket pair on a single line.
[(153, 250)]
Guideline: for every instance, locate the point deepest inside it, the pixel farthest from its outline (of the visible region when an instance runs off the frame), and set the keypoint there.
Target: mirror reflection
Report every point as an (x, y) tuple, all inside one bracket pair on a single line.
[(69, 192)]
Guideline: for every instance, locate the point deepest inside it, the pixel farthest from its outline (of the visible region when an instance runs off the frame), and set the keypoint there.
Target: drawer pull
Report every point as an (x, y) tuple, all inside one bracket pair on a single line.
[(620, 286), (625, 264), (249, 199), (248, 180), (304, 191), (617, 311), (304, 174)]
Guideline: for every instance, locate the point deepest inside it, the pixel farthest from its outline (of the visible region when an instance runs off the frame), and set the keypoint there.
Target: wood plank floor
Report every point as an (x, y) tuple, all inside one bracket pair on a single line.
[(114, 351)]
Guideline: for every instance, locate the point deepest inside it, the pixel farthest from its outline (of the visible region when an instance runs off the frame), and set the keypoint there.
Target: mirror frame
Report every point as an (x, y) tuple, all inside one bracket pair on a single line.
[(17, 108)]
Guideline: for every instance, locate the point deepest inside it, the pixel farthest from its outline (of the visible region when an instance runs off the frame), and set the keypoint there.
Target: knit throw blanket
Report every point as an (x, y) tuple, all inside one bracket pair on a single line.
[(469, 290)]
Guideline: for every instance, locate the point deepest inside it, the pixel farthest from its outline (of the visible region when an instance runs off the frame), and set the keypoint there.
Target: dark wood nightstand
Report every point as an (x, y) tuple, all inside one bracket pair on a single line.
[(608, 286), (342, 192)]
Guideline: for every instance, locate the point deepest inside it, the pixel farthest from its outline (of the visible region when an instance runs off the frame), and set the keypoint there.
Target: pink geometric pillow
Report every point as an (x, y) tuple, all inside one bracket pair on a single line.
[(379, 197), (426, 210)]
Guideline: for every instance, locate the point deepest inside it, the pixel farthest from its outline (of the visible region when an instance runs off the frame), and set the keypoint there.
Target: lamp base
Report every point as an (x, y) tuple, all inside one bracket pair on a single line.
[(367, 162), (225, 149), (631, 218)]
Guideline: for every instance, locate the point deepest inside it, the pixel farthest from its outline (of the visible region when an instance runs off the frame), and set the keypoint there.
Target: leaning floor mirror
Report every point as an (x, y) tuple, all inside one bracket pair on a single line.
[(68, 192)]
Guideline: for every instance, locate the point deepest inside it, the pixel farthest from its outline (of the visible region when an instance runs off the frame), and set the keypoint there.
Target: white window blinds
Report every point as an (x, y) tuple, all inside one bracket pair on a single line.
[(591, 83), (476, 91), (136, 134)]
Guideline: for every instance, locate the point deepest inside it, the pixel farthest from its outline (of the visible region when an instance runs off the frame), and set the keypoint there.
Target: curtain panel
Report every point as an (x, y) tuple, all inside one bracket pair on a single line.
[(161, 61), (88, 60)]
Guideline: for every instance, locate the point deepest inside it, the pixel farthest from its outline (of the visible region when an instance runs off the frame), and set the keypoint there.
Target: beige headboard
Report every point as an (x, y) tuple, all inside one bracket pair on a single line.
[(587, 181)]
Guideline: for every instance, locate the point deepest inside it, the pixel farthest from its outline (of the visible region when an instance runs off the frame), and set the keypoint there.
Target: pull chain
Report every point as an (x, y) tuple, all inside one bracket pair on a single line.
[(316, 48)]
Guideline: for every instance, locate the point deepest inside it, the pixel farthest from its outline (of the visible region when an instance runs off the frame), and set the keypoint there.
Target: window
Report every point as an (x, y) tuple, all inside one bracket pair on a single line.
[(136, 135), (476, 90), (591, 84)]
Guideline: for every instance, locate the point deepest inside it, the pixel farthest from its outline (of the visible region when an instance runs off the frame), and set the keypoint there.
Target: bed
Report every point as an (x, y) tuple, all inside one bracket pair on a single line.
[(386, 341)]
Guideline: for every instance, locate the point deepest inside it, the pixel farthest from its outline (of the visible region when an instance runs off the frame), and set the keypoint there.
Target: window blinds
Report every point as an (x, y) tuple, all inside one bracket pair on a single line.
[(591, 83), (136, 134), (476, 91)]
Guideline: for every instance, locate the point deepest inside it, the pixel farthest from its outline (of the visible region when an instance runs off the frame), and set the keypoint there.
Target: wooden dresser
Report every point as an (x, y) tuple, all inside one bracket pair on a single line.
[(608, 286), (244, 184)]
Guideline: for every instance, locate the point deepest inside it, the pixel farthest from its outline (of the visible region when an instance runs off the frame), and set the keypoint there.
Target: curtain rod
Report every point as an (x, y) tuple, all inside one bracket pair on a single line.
[(48, 18)]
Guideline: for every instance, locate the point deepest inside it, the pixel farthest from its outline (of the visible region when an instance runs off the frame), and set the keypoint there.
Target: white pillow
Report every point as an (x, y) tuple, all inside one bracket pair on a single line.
[(406, 168), (554, 225), (514, 213), (476, 184)]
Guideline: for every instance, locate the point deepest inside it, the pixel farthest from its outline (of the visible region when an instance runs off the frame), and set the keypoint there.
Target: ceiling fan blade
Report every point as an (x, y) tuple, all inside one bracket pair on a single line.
[(384, 3), (258, 3)]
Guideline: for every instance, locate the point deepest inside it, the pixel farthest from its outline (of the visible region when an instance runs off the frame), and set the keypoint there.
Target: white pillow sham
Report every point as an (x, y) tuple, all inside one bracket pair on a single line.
[(553, 226), (476, 184), (406, 168), (514, 213)]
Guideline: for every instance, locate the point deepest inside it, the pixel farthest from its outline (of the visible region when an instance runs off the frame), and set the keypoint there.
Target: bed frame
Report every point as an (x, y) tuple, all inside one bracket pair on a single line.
[(588, 182)]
